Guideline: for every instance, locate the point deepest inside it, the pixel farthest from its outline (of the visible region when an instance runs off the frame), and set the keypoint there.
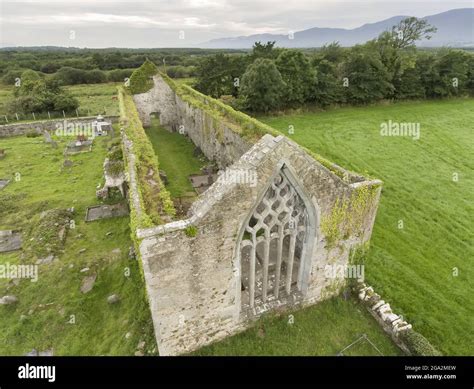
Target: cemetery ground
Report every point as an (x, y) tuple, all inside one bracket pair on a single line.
[(53, 313), (421, 255)]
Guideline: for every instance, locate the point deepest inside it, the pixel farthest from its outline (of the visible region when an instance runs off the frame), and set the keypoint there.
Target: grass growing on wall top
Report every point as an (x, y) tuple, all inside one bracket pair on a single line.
[(141, 79), (155, 199)]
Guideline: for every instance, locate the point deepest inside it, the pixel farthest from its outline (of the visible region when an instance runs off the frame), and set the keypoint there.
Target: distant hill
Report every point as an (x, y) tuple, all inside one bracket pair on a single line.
[(455, 28)]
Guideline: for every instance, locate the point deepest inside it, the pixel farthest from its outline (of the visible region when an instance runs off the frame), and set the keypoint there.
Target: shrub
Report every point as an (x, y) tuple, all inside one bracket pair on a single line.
[(418, 344), (119, 75), (191, 231), (262, 86)]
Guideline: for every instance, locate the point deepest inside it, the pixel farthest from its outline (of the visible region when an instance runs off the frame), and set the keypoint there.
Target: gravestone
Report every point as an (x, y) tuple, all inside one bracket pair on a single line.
[(10, 241), (3, 183), (47, 137), (98, 212)]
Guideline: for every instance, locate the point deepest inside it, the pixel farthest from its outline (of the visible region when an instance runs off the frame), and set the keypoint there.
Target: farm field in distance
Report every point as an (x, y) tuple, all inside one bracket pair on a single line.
[(424, 269), (93, 99)]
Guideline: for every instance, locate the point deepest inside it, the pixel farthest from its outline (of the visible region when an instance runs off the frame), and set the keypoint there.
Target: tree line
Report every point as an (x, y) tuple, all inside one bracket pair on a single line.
[(389, 67), (71, 66)]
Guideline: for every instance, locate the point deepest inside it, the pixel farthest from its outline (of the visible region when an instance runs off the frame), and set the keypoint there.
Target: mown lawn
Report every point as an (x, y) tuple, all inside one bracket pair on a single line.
[(425, 269), (52, 313), (176, 157)]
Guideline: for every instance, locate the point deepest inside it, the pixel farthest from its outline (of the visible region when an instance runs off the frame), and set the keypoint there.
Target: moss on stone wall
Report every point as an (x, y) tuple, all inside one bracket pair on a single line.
[(155, 200), (418, 344)]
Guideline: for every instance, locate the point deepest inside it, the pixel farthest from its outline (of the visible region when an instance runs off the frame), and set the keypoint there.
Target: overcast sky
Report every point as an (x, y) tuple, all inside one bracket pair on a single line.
[(184, 23)]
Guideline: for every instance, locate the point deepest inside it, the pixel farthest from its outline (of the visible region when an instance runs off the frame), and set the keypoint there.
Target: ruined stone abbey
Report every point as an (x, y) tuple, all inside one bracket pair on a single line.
[(259, 239)]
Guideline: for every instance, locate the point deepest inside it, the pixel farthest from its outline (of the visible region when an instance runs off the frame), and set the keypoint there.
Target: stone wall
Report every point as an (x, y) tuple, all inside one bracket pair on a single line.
[(193, 282), (217, 140), (17, 129)]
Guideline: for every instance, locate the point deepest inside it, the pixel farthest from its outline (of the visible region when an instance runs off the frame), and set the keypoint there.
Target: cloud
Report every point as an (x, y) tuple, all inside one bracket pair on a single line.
[(150, 23)]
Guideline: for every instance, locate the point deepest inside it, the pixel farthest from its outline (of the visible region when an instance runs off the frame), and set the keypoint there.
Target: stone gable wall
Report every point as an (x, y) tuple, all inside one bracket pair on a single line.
[(194, 282), (216, 139), (191, 266)]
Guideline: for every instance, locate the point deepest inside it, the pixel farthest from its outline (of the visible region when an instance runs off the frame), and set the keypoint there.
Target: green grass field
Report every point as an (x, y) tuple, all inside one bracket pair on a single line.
[(96, 98), (175, 156), (93, 99), (323, 329), (42, 317), (425, 269)]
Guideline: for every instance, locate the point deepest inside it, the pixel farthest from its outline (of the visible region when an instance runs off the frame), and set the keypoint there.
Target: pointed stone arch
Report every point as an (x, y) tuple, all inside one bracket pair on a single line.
[(275, 244)]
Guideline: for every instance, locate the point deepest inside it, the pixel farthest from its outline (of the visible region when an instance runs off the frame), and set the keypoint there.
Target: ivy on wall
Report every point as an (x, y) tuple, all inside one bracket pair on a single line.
[(347, 215)]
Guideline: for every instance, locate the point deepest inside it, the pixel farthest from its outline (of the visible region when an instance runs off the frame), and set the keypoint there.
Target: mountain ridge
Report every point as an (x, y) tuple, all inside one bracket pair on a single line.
[(455, 28)]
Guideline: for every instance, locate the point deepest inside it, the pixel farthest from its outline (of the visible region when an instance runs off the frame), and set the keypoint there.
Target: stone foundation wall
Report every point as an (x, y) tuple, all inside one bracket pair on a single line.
[(17, 129)]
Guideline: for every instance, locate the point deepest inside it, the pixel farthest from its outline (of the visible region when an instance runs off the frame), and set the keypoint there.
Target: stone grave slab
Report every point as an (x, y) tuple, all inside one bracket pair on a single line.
[(78, 147), (98, 212), (3, 183), (10, 240)]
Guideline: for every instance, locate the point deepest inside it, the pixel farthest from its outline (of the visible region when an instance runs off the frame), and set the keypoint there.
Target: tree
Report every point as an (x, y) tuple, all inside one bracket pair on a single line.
[(410, 30), (37, 95), (266, 50), (452, 67), (262, 86), (297, 74), (410, 85), (328, 87), (367, 77), (220, 74), (327, 64)]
